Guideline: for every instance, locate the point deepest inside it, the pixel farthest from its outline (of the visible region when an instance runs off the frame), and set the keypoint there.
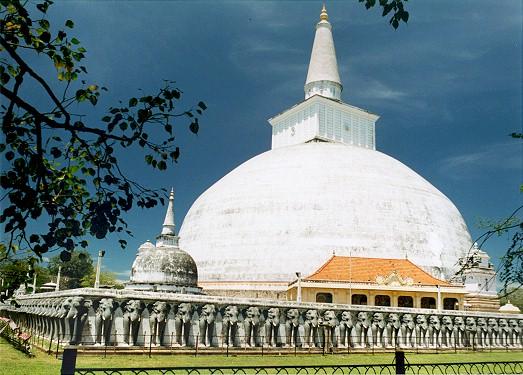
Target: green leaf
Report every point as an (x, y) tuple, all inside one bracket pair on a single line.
[(69, 24), (4, 78), (133, 102), (75, 41), (44, 24), (65, 256), (394, 22), (42, 7), (194, 127)]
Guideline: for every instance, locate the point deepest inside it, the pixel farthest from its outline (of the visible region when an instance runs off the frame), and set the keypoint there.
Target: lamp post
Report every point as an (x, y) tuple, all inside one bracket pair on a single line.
[(298, 295), (350, 277), (101, 254), (439, 298), (57, 287), (34, 283)]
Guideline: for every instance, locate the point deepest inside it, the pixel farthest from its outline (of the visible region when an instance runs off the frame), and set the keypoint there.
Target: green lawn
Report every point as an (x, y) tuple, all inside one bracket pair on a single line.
[(13, 362)]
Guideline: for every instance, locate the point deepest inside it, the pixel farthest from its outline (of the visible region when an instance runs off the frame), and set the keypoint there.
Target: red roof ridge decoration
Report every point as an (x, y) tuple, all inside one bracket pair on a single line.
[(374, 270)]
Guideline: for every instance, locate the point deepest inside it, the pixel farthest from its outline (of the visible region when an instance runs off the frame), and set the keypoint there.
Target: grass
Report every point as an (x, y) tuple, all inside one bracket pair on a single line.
[(13, 362)]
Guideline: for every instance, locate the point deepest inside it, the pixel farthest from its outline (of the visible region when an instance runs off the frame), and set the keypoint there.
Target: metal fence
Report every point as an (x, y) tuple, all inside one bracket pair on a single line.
[(399, 366)]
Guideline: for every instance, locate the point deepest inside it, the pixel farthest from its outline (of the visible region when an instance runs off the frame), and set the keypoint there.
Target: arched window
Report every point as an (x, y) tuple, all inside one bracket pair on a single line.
[(359, 299), (324, 297), (382, 300), (450, 304), (428, 303), (405, 301)]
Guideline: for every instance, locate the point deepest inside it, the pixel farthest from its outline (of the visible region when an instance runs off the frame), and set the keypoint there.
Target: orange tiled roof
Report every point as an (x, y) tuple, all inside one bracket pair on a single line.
[(365, 270)]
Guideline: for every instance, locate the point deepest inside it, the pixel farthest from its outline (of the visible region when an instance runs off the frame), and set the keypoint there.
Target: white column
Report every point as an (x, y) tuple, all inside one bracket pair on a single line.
[(438, 302), (34, 283), (298, 294), (101, 253), (57, 288)]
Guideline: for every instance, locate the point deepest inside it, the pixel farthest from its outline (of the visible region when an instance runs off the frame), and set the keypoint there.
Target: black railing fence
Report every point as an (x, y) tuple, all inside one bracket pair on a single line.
[(399, 366)]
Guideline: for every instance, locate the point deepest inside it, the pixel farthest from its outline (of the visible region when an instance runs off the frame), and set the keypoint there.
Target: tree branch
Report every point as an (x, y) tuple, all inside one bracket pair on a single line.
[(32, 73), (56, 125)]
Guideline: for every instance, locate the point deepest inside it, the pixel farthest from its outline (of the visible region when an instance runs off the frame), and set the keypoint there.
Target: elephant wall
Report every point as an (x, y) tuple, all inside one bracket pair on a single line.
[(95, 317)]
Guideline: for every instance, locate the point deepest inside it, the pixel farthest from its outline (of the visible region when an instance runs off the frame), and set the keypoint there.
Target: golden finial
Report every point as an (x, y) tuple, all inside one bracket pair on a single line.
[(323, 15)]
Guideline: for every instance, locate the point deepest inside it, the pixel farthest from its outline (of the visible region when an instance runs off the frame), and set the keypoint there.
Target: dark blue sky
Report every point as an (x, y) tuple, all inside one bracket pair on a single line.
[(447, 87)]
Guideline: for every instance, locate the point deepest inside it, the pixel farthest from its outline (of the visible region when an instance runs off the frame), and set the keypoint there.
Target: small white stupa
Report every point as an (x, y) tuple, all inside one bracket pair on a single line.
[(164, 267)]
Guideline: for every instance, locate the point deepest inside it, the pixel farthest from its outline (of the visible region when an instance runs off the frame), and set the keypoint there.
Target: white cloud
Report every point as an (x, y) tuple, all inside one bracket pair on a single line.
[(506, 155), (377, 90)]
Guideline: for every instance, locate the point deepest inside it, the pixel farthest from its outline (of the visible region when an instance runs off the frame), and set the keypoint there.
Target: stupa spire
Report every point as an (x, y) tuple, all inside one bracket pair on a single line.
[(323, 77), (169, 228), (323, 15)]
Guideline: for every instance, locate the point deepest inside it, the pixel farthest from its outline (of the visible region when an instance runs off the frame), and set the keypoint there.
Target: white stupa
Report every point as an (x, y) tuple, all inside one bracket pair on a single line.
[(322, 188)]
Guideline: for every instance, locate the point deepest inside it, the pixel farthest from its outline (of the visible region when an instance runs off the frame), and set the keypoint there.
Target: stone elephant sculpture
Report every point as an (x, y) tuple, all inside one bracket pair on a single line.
[(206, 323), (311, 325), (459, 332), (76, 318), (272, 325), (292, 323), (329, 324), (361, 329), (182, 324), (504, 332), (132, 318), (377, 327), (421, 331), (103, 321), (482, 332), (470, 331), (46, 322), (157, 321), (63, 311), (493, 332), (252, 325), (434, 331), (408, 331), (447, 329), (515, 333), (229, 325), (393, 330), (54, 319), (346, 326)]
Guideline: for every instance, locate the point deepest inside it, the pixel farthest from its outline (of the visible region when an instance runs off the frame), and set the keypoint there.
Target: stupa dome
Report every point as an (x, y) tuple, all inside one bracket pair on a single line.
[(509, 308), (164, 265), (290, 208)]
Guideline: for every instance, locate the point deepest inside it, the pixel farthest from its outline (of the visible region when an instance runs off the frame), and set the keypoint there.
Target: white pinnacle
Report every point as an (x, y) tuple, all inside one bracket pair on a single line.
[(169, 228), (323, 77)]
